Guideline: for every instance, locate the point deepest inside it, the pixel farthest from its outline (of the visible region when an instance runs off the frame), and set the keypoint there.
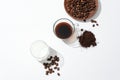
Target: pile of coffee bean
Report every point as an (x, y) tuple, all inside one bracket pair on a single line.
[(81, 9), (87, 39), (52, 65)]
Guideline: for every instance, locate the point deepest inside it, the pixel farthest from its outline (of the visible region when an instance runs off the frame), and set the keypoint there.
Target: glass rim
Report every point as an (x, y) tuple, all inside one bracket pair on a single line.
[(38, 58), (73, 26)]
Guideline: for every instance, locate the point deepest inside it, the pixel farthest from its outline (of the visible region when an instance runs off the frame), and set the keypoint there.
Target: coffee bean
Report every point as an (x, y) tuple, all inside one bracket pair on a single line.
[(58, 74), (51, 71), (93, 25), (56, 58), (49, 58), (58, 69), (81, 29), (84, 20), (97, 24), (55, 67), (47, 72), (52, 61), (56, 64), (93, 21)]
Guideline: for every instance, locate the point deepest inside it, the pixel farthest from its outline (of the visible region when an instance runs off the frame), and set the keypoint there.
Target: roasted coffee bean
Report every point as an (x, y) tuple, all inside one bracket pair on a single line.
[(93, 25), (47, 72), (81, 29), (56, 58), (56, 64), (58, 69), (93, 21), (55, 67), (84, 20), (97, 24), (51, 71), (49, 58), (58, 74), (52, 61)]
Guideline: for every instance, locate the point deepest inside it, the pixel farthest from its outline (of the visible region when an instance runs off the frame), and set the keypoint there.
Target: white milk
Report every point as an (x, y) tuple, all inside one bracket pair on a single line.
[(40, 50)]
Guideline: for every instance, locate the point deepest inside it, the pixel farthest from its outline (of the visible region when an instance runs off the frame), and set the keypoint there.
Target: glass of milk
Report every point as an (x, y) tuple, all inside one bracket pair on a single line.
[(41, 51)]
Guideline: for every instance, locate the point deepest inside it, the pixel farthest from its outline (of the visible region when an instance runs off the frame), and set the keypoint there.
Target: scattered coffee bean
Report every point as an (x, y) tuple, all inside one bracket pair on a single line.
[(81, 29), (94, 21), (50, 71), (87, 39), (56, 64), (58, 74), (84, 20), (47, 72), (53, 71), (55, 67), (56, 58), (52, 61), (49, 59), (93, 25), (58, 69), (97, 24)]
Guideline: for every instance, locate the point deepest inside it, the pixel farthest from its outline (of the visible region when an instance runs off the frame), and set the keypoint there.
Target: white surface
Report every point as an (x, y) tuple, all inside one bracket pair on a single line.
[(25, 21)]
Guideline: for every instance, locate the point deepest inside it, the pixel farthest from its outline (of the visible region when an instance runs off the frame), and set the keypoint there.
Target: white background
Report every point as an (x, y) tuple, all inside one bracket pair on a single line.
[(25, 21)]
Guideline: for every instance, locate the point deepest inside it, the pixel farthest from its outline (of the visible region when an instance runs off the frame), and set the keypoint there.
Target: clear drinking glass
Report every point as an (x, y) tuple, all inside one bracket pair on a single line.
[(72, 40), (61, 20), (41, 51)]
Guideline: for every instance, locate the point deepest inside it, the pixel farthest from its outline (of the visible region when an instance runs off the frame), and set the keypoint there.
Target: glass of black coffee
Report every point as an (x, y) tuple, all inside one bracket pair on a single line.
[(63, 28)]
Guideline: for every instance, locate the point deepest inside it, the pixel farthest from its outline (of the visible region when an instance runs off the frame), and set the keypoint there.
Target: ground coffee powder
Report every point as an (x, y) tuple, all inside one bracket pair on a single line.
[(87, 39), (81, 9)]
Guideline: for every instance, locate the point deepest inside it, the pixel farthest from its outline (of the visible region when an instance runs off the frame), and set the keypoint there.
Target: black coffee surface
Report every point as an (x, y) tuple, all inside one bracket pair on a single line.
[(63, 30)]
